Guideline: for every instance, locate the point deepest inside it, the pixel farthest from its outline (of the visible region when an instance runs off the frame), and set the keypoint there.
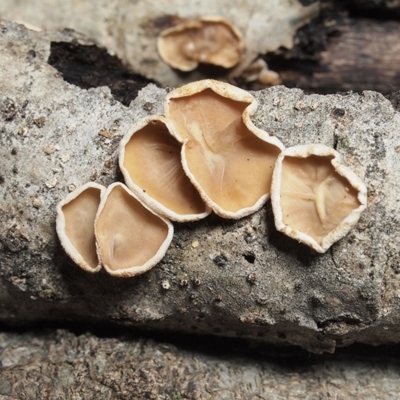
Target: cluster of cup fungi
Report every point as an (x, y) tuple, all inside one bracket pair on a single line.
[(205, 155)]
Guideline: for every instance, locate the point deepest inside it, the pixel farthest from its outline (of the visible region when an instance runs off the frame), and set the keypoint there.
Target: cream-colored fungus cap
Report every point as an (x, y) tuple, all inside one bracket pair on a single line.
[(209, 40), (315, 199), (75, 225), (258, 71), (227, 158), (131, 239), (150, 160)]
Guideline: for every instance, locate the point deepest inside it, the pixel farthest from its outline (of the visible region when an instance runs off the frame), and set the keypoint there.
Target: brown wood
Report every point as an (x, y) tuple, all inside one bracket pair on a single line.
[(359, 54)]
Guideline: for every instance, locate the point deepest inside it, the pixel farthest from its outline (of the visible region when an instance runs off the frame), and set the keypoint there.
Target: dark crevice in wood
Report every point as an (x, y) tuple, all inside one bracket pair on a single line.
[(92, 66), (383, 10), (292, 357)]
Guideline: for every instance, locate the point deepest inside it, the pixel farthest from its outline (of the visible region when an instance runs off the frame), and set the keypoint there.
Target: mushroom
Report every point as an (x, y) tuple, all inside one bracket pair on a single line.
[(209, 40), (131, 239), (225, 156), (150, 161), (315, 199), (259, 72), (75, 225)]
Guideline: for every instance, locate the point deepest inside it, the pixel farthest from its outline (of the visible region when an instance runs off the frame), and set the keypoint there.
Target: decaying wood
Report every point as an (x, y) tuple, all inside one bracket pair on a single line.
[(224, 277), (353, 54), (380, 9), (64, 365), (339, 45), (130, 29), (267, 288)]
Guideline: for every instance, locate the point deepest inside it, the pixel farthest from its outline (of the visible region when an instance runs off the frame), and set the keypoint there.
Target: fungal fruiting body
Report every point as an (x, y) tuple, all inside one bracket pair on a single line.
[(150, 161), (315, 199), (258, 71), (130, 238), (111, 228), (209, 40), (225, 156), (75, 225), (205, 154)]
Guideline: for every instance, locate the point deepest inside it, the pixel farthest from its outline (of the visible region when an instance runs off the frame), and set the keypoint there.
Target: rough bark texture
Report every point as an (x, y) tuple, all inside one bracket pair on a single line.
[(346, 54), (244, 278), (130, 28), (349, 45), (61, 365)]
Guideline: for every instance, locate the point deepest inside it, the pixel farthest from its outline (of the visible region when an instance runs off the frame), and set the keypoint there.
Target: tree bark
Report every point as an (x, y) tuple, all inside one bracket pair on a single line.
[(348, 55), (244, 278), (52, 365)]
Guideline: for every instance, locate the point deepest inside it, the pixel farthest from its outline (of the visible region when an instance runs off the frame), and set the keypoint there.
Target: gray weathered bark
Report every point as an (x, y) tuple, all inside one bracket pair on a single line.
[(349, 45), (130, 28), (244, 278), (60, 365)]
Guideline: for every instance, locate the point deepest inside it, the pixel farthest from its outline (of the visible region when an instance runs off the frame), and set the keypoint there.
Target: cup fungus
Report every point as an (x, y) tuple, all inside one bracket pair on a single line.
[(259, 72), (131, 239), (209, 40), (75, 225), (315, 199), (225, 156), (150, 160)]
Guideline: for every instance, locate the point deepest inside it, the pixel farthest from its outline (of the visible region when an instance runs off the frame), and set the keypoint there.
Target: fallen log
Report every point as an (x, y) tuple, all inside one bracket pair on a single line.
[(231, 278)]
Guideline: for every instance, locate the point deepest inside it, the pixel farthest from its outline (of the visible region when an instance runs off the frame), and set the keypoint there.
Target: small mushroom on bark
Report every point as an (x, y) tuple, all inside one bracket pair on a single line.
[(315, 199), (150, 161), (131, 239), (259, 73), (227, 158), (209, 40), (75, 225)]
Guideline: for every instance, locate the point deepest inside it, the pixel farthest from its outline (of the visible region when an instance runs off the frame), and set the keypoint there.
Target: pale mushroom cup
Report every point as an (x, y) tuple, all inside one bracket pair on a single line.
[(315, 199), (130, 238), (75, 225), (226, 157), (209, 40), (150, 161)]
